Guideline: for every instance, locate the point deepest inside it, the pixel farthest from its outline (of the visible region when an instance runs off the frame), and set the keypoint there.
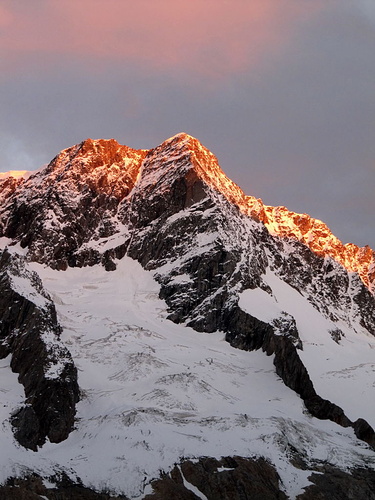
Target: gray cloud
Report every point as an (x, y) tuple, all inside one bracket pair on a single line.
[(297, 132)]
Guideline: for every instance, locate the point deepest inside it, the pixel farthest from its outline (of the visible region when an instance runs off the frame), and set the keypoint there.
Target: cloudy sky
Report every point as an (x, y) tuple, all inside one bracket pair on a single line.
[(281, 91)]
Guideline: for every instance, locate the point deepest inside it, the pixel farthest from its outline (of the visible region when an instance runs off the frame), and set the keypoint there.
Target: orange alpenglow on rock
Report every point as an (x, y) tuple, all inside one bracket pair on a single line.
[(279, 220), (17, 174), (317, 236), (106, 168)]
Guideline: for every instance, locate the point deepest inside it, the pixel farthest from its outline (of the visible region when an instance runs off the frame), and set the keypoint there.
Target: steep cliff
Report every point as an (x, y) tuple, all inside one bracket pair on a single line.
[(183, 243), (30, 335)]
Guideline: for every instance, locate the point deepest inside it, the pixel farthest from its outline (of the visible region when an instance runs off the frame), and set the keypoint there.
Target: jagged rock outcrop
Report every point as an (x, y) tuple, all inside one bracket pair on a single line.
[(201, 246), (173, 209), (30, 334), (8, 186), (89, 203), (33, 488), (183, 218), (239, 478), (231, 478), (248, 333), (83, 196), (317, 236), (72, 202), (330, 483)]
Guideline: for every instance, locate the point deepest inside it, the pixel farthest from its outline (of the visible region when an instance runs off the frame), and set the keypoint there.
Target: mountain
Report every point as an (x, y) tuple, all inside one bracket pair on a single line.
[(175, 338)]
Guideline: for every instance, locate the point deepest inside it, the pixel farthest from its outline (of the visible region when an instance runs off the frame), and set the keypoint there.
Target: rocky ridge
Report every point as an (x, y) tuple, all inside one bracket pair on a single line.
[(72, 201), (317, 236), (230, 478), (174, 210), (94, 179), (201, 248), (30, 335)]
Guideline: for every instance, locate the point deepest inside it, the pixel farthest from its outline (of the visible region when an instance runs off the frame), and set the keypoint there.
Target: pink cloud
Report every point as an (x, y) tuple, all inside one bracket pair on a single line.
[(6, 18), (210, 37)]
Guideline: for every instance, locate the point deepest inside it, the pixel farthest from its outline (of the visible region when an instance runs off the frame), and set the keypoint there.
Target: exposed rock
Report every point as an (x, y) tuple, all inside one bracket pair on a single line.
[(84, 192), (364, 431), (27, 428), (30, 333), (316, 235), (73, 201), (331, 483), (231, 478), (238, 478), (167, 228), (8, 186), (336, 335), (175, 211), (33, 488), (248, 333), (228, 478)]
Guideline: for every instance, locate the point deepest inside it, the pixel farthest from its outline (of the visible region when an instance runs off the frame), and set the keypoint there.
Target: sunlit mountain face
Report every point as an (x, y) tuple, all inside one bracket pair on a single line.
[(163, 335), (106, 167), (13, 173)]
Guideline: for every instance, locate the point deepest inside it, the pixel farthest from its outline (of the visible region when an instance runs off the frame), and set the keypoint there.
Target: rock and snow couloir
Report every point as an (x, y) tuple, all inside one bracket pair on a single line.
[(95, 178), (215, 261)]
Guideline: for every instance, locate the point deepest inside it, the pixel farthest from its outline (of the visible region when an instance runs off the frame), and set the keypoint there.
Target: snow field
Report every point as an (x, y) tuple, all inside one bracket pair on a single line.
[(154, 392), (342, 372)]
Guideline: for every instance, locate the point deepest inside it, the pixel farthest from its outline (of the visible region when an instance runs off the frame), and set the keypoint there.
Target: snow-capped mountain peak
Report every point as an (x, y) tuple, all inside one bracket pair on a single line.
[(102, 174), (103, 166), (225, 329)]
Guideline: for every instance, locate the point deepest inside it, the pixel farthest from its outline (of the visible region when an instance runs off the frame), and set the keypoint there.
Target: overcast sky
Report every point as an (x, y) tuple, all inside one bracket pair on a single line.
[(281, 91)]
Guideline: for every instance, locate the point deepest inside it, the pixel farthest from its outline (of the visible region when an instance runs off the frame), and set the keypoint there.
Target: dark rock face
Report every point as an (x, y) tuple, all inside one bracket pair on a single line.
[(100, 190), (325, 282), (219, 252), (30, 334), (331, 483), (73, 201), (33, 488), (238, 478), (364, 431), (317, 237), (231, 478), (7, 187)]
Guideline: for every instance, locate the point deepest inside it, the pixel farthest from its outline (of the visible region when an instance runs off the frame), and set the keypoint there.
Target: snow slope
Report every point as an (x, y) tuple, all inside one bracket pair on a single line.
[(342, 372), (154, 392)]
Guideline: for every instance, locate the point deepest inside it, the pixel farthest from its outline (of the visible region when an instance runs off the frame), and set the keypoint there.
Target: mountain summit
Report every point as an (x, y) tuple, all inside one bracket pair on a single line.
[(201, 343), (103, 173)]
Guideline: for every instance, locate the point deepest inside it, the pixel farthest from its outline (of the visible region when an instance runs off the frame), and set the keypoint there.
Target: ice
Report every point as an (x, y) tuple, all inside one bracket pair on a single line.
[(191, 487), (154, 392)]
